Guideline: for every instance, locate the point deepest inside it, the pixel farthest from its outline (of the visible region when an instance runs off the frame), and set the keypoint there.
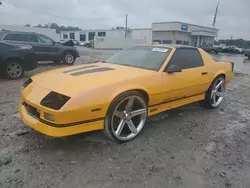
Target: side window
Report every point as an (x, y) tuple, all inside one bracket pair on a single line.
[(13, 37), (31, 38), (186, 58), (45, 40)]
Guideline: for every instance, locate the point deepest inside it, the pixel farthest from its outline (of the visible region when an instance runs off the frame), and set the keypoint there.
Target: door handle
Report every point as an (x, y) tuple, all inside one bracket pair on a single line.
[(204, 73)]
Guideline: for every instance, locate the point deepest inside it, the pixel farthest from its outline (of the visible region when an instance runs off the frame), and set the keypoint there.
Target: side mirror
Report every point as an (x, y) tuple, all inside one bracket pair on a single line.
[(173, 69), (53, 42)]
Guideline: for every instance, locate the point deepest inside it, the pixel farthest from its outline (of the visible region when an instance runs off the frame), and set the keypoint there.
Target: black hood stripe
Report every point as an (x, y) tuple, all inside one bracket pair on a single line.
[(102, 69), (80, 68)]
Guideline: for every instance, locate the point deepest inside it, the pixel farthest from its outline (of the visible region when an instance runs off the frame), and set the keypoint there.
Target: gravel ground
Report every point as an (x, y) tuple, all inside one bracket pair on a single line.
[(188, 147)]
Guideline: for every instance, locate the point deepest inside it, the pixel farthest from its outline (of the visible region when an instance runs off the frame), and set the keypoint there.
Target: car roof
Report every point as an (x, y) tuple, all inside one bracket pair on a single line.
[(176, 46), (17, 32)]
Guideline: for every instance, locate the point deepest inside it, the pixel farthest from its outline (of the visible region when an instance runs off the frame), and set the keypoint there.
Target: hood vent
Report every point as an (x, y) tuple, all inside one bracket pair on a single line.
[(90, 71), (80, 68)]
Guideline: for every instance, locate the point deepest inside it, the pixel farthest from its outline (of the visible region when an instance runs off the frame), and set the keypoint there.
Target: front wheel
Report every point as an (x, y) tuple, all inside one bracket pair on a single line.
[(14, 69), (126, 117), (215, 93), (68, 58)]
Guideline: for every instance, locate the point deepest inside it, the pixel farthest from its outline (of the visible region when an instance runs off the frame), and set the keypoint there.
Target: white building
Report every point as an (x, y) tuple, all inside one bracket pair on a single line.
[(162, 33), (88, 35), (183, 33), (46, 31)]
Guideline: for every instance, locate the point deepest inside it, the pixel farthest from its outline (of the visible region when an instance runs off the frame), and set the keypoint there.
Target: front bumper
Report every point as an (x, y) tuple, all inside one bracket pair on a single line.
[(49, 130)]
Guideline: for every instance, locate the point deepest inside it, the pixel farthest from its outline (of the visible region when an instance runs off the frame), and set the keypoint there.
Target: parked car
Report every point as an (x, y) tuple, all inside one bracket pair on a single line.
[(76, 42), (233, 49), (119, 94), (67, 42), (247, 53), (212, 49), (45, 48), (82, 43), (15, 59)]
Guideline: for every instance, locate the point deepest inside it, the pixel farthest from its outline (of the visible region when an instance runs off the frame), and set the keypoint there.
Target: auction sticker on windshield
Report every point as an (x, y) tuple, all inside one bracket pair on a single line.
[(160, 50)]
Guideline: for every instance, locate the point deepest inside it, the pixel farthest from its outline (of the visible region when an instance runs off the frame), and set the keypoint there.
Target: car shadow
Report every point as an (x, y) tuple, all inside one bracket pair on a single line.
[(96, 142)]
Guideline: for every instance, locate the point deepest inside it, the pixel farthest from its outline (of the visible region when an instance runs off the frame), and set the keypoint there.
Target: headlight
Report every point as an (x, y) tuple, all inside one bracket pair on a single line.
[(54, 100), (27, 82)]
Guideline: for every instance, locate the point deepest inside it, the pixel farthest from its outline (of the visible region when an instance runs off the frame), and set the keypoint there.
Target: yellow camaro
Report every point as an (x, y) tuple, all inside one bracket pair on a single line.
[(119, 94)]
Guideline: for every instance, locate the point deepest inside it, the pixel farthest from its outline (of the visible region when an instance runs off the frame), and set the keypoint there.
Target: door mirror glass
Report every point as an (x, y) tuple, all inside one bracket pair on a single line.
[(174, 68)]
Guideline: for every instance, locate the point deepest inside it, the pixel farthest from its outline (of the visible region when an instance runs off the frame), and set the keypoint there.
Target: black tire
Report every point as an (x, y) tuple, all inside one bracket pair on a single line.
[(207, 102), (108, 131), (68, 55), (17, 74)]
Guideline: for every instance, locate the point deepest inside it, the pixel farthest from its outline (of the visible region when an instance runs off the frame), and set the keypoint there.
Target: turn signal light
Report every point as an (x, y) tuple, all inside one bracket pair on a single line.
[(49, 117)]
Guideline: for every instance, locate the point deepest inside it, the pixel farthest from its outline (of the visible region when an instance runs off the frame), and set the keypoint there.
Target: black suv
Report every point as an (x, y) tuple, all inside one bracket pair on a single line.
[(45, 48), (15, 59)]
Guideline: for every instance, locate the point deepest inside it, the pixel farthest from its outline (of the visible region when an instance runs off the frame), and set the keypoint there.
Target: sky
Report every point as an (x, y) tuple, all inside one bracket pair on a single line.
[(233, 19)]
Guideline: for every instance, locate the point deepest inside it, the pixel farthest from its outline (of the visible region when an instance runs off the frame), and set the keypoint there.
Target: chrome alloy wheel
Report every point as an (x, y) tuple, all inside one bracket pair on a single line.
[(129, 118), (218, 92), (69, 58), (14, 70)]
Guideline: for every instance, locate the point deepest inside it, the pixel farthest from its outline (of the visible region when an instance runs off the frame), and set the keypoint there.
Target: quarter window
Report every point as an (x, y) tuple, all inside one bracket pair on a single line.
[(186, 58)]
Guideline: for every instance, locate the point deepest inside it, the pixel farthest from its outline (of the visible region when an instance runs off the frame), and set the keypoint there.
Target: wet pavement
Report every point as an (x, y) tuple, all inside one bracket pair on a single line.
[(241, 62), (188, 147)]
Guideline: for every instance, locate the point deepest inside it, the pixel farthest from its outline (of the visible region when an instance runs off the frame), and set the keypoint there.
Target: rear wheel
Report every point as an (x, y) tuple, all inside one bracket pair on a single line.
[(215, 93), (14, 69), (68, 58), (126, 117)]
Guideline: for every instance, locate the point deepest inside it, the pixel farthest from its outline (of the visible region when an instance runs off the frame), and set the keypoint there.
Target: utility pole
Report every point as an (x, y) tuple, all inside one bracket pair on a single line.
[(126, 25), (214, 21)]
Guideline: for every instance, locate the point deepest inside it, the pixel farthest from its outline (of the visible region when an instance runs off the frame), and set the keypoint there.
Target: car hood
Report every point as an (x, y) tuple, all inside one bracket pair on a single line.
[(75, 80), (67, 43)]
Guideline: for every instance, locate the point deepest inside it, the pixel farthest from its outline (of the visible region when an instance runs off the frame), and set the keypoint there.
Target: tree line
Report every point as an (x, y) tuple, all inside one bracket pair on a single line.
[(62, 27), (56, 26), (241, 43)]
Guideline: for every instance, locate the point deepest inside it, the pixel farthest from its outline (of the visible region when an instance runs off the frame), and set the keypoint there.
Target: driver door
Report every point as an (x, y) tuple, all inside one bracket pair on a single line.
[(44, 48), (191, 81)]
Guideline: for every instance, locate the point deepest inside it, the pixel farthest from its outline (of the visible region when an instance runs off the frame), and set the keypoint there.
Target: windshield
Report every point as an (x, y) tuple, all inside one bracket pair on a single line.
[(146, 57)]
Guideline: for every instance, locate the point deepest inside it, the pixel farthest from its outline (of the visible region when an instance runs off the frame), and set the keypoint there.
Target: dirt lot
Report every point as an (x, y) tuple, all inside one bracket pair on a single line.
[(188, 147)]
